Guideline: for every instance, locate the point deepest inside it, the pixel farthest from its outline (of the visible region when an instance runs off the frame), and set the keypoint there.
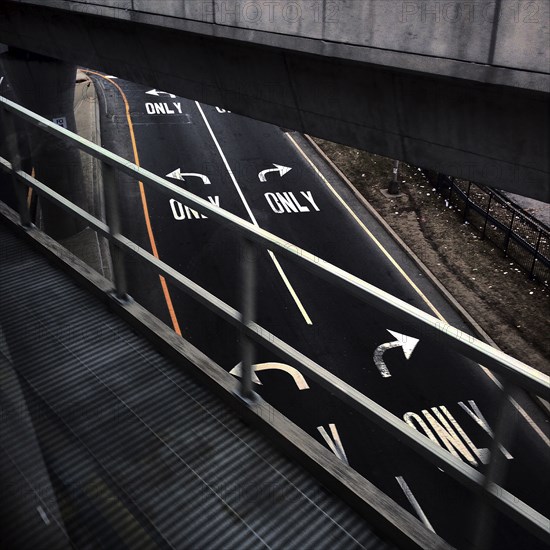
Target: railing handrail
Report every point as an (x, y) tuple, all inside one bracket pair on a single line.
[(523, 375), (517, 372)]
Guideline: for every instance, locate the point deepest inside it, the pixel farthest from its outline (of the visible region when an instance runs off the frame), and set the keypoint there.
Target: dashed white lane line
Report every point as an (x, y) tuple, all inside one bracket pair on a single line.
[(493, 378), (253, 218)]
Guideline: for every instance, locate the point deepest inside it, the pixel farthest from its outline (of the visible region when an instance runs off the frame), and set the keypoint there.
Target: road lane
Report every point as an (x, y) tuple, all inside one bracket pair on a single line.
[(344, 334)]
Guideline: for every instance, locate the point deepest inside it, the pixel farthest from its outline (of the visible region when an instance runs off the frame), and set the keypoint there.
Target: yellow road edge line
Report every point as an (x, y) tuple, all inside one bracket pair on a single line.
[(144, 204), (368, 232), (491, 376)]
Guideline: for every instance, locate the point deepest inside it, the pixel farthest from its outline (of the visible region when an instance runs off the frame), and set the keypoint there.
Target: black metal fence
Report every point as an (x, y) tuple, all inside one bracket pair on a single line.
[(520, 236)]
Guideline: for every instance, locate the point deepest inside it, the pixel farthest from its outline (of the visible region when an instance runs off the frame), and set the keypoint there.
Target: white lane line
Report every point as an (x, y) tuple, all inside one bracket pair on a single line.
[(253, 218), (518, 407), (414, 503), (43, 515)]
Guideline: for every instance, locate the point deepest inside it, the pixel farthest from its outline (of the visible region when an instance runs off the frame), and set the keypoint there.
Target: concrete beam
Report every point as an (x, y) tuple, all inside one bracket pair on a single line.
[(460, 116)]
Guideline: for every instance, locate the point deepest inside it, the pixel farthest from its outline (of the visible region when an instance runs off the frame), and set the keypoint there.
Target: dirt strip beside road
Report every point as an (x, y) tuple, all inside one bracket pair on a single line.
[(512, 309)]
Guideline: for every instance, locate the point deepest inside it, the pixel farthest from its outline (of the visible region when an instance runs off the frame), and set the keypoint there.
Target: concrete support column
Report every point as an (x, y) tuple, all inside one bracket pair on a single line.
[(46, 86)]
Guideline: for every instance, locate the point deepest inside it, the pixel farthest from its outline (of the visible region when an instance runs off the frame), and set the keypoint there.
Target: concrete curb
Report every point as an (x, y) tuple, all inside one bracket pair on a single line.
[(87, 116), (478, 330)]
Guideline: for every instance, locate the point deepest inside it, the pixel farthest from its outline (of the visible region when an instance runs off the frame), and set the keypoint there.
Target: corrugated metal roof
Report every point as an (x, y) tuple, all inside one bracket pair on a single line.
[(138, 454)]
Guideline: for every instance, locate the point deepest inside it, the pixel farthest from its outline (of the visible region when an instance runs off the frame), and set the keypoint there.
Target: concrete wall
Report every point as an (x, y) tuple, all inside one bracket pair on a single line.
[(409, 80)]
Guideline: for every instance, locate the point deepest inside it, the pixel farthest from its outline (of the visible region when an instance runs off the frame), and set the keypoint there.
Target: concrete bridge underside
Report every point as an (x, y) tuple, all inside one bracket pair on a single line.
[(464, 96)]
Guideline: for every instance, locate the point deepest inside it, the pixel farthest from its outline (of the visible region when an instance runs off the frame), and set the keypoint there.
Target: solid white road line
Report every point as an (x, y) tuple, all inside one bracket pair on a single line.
[(253, 218)]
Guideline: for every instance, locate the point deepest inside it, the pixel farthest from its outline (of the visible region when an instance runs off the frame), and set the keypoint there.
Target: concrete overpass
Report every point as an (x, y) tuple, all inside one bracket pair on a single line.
[(457, 87)]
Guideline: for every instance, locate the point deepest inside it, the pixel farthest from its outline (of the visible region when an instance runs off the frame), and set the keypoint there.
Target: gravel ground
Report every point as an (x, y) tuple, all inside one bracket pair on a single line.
[(512, 309)]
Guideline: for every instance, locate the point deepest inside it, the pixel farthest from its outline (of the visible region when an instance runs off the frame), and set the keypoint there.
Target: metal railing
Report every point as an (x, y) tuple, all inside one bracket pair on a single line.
[(513, 372), (516, 233)]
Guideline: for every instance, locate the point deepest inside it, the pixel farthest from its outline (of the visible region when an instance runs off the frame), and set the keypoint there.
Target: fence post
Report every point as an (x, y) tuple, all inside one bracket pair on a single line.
[(467, 203), (15, 158), (112, 213), (508, 235), (487, 215), (532, 272), (248, 301), (496, 469), (393, 187)]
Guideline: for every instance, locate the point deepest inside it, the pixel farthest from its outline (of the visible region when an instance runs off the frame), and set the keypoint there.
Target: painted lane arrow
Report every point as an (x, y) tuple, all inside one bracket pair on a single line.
[(406, 342), (158, 92), (178, 175), (296, 375), (334, 443), (278, 168)]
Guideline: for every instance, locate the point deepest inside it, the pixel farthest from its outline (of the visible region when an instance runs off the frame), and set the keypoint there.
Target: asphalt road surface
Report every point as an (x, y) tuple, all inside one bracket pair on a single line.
[(271, 177)]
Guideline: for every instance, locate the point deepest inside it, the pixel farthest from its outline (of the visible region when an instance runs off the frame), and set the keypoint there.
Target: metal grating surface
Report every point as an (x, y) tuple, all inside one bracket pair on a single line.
[(122, 448)]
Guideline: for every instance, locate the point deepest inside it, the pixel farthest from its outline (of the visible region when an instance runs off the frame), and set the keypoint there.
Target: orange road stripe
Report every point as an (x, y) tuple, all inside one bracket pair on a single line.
[(150, 233), (29, 192)]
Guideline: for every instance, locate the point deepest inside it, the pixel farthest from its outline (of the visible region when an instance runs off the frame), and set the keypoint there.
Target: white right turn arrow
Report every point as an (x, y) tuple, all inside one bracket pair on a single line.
[(278, 168), (406, 342)]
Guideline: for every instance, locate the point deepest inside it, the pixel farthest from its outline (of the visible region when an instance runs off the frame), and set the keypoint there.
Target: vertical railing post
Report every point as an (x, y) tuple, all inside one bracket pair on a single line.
[(487, 215), (496, 469), (467, 203), (248, 302), (393, 187), (20, 190), (509, 233), (112, 213), (532, 272)]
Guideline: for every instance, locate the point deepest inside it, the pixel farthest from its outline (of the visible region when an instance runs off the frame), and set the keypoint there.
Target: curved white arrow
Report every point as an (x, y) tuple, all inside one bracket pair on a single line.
[(178, 175), (296, 375), (278, 168), (158, 92), (406, 342)]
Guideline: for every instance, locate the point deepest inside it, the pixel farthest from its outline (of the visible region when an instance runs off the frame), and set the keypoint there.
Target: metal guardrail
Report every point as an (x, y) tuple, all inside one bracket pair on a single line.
[(514, 372), (517, 234)]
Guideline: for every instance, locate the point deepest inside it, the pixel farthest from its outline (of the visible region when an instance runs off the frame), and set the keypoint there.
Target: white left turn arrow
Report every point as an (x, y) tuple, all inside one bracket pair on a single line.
[(178, 175), (407, 343), (299, 380), (278, 168), (158, 92)]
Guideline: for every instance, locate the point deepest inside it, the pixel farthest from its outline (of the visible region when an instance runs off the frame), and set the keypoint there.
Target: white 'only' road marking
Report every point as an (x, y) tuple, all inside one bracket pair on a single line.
[(414, 503), (253, 219)]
